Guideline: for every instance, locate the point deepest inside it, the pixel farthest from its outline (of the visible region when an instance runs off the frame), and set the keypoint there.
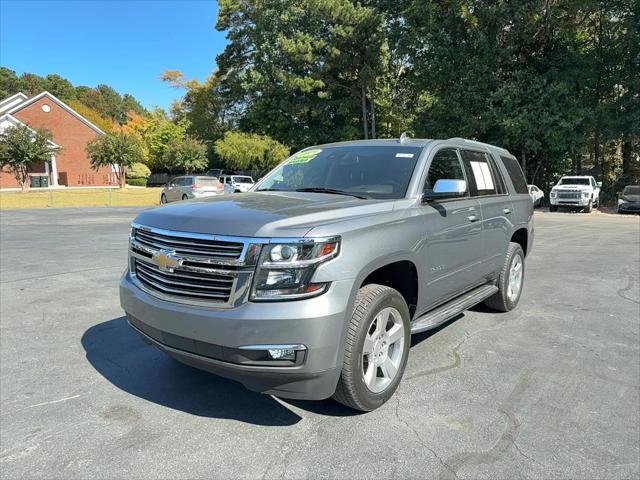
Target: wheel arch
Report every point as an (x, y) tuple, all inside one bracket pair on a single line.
[(521, 237)]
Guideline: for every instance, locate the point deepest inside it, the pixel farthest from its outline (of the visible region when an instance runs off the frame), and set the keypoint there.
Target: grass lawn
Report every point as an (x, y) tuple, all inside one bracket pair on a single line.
[(81, 197)]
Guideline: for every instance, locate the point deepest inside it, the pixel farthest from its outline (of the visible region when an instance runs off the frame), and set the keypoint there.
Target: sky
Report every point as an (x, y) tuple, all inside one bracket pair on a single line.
[(124, 44)]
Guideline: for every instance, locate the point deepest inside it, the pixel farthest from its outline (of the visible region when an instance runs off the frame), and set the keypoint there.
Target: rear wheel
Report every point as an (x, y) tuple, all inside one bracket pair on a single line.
[(510, 281), (184, 196), (376, 348)]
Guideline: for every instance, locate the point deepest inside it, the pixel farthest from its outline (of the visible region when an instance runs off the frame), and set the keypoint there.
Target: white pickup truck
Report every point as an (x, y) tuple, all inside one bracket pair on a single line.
[(575, 191)]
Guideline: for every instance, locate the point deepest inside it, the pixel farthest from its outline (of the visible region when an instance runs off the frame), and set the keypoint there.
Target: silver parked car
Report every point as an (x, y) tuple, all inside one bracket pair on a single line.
[(191, 186), (311, 285)]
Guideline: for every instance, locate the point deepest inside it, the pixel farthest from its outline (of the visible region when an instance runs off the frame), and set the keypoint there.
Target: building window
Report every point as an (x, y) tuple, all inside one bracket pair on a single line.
[(46, 108)]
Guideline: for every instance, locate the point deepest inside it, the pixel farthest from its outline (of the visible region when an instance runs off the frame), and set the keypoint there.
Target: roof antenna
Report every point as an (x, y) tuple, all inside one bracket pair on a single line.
[(404, 137)]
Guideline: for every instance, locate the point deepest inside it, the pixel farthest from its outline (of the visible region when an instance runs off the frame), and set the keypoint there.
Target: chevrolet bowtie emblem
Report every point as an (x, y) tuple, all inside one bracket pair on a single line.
[(166, 260)]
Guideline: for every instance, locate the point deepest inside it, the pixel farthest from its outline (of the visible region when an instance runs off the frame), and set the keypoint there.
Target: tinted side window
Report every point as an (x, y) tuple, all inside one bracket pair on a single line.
[(445, 165), (479, 169), (515, 172)]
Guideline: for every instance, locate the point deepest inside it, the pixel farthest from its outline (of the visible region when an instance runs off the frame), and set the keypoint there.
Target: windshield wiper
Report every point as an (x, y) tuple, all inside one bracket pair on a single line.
[(329, 190), (272, 190)]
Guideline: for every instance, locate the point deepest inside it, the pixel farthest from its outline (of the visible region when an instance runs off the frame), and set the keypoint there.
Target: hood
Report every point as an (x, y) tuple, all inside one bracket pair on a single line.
[(264, 214)]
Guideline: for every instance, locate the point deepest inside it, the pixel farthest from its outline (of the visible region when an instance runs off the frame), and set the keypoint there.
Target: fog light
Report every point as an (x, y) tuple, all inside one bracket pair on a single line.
[(288, 352), (282, 354)]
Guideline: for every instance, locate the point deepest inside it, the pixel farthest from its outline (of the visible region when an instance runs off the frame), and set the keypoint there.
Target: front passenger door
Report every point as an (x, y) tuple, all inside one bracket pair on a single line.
[(452, 246)]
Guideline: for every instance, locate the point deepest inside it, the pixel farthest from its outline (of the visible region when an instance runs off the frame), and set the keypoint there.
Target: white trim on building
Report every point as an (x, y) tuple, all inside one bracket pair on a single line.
[(12, 102)]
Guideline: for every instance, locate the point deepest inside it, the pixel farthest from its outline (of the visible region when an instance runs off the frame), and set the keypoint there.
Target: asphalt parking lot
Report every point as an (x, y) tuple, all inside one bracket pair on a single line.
[(550, 390)]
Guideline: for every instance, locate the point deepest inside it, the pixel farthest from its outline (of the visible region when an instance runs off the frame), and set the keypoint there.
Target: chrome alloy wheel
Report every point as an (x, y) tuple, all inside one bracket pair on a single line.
[(383, 348), (515, 278)]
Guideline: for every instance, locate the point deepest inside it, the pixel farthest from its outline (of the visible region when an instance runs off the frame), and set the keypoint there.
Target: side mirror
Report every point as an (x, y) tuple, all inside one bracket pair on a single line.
[(599, 184), (444, 189)]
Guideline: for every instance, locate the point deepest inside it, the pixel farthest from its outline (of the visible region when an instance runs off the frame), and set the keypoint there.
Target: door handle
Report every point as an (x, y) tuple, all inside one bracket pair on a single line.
[(472, 218), (507, 211)]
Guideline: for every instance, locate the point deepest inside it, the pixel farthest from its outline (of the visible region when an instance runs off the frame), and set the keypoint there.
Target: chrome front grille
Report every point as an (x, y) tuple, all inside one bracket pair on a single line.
[(192, 268), (569, 195), (201, 286), (189, 245)]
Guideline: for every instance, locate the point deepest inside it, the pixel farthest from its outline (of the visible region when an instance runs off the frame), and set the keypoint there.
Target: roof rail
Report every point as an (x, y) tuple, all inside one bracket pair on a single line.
[(404, 137), (475, 142)]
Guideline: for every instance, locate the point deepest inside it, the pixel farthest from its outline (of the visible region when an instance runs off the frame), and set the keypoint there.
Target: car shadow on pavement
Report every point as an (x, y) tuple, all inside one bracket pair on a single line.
[(121, 357)]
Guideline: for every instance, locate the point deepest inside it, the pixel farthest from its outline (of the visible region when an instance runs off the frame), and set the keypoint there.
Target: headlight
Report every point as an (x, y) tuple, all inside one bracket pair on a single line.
[(285, 269), (620, 201), (586, 194), (553, 194)]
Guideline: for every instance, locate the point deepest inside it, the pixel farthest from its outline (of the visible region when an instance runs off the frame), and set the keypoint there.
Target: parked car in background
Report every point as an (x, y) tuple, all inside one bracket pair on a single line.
[(216, 172), (191, 186), (312, 284), (537, 195), (238, 183), (575, 192), (629, 199)]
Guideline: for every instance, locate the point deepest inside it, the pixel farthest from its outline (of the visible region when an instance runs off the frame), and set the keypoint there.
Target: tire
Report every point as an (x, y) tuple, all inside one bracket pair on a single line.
[(589, 208), (503, 300), (163, 199), (553, 208), (184, 196), (374, 301)]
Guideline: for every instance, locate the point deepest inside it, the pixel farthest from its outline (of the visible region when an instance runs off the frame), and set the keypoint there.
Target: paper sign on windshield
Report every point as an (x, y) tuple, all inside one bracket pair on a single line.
[(304, 157)]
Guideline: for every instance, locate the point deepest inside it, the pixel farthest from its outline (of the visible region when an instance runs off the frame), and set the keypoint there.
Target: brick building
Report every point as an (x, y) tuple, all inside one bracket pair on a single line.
[(71, 132)]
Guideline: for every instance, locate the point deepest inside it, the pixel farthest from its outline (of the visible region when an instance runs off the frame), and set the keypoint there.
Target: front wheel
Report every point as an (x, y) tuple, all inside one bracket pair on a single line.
[(163, 198), (589, 207), (510, 281), (553, 208), (376, 348)]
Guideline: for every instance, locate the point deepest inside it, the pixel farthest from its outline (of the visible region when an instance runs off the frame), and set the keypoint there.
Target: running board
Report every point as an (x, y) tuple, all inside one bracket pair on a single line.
[(450, 309)]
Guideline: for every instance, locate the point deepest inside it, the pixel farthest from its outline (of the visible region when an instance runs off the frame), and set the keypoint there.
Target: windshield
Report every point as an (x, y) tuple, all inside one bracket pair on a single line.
[(631, 190), (574, 181), (370, 171), (243, 179)]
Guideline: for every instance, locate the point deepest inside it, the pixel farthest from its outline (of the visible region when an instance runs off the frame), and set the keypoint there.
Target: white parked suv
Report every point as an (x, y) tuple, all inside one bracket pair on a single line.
[(579, 191)]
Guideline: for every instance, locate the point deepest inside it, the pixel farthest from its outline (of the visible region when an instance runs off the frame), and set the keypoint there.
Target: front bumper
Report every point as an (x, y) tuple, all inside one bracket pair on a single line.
[(569, 202), (208, 338), (629, 207)]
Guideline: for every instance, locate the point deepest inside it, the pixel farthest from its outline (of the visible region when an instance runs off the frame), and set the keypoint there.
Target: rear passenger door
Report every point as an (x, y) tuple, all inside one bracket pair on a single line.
[(487, 184), (452, 245)]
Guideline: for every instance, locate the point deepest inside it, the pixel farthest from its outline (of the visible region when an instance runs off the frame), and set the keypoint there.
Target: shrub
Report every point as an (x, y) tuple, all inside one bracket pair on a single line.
[(137, 182)]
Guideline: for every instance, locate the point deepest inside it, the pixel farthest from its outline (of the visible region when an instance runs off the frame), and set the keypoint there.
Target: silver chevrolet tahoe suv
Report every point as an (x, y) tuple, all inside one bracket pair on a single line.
[(310, 285)]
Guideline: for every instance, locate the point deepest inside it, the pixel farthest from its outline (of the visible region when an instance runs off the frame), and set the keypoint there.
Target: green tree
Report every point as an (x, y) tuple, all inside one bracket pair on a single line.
[(117, 149), (32, 84), (184, 155), (60, 87), (300, 71), (248, 151), (9, 82), (159, 132), (137, 174), (22, 147)]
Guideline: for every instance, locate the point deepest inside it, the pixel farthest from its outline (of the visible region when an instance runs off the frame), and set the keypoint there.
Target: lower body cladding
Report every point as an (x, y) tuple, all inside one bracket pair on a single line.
[(288, 349)]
